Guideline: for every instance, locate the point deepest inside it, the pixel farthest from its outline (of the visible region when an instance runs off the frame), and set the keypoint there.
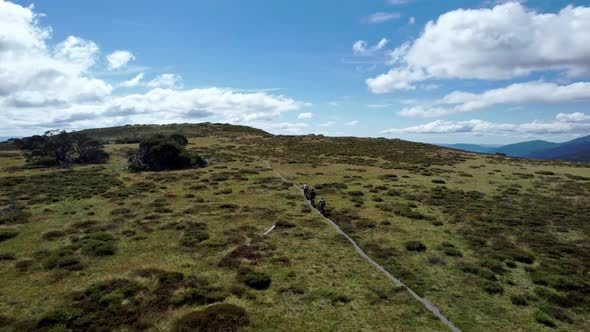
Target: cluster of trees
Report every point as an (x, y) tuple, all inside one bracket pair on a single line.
[(163, 152), (60, 148)]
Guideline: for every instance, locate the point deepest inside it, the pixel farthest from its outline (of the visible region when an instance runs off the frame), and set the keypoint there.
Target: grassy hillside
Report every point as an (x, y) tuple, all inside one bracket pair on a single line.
[(496, 243), (135, 132)]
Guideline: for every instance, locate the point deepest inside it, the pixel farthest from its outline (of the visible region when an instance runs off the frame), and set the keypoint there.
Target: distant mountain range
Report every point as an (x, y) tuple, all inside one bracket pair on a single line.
[(574, 150)]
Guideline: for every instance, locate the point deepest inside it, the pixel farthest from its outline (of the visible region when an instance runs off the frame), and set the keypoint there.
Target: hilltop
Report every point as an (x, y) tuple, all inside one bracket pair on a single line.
[(494, 242)]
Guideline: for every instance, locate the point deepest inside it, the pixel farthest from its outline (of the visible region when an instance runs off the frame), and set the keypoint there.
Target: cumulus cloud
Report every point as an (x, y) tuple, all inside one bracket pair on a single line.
[(518, 93), (500, 43), (380, 17), (33, 74), (398, 2), (165, 81), (53, 86), (135, 81), (305, 116), (119, 59), (361, 47), (282, 127), (574, 123)]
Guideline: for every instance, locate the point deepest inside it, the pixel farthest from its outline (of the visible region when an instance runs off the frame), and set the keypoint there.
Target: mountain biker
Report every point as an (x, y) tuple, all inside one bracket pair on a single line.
[(323, 206), (305, 190), (312, 198)]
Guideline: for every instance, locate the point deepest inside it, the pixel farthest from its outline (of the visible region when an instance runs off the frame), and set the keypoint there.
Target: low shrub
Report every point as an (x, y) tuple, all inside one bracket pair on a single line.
[(7, 256), (520, 300), (253, 279), (544, 319), (192, 238), (7, 234), (53, 235), (415, 246), (97, 244), (64, 259), (218, 317), (453, 252)]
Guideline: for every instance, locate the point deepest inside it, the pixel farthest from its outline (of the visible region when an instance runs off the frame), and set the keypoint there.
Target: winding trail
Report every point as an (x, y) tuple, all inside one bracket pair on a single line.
[(427, 304)]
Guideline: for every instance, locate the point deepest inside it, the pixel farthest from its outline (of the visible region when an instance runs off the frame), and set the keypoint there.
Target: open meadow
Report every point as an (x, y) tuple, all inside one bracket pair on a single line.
[(495, 243)]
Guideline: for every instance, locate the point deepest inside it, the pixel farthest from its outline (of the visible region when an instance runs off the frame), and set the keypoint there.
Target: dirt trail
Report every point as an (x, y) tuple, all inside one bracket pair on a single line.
[(427, 304)]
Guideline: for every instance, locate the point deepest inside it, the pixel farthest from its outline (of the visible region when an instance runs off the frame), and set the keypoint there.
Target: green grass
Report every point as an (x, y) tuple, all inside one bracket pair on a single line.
[(496, 243)]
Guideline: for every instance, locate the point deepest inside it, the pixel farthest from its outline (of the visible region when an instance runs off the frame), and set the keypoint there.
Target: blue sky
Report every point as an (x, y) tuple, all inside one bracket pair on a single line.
[(498, 72)]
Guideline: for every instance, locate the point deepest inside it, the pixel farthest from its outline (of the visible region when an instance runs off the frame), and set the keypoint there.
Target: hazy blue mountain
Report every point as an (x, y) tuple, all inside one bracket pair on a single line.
[(574, 150), (470, 147), (525, 149)]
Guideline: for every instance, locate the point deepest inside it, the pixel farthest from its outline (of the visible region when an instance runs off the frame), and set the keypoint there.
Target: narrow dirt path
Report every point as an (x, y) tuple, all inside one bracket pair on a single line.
[(427, 304)]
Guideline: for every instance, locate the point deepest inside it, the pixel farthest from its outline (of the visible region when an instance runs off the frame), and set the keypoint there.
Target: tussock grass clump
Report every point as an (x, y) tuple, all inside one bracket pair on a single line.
[(544, 319), (7, 234), (416, 246), (254, 279), (97, 244), (13, 213), (218, 317), (453, 252), (53, 235), (64, 258), (520, 300), (193, 238), (327, 294), (7, 256)]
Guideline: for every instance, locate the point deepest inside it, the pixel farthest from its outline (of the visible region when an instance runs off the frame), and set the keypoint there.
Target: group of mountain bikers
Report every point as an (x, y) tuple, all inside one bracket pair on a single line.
[(310, 195)]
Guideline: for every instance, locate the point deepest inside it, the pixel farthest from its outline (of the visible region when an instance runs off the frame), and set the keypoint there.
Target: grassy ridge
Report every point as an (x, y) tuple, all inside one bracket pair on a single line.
[(496, 243)]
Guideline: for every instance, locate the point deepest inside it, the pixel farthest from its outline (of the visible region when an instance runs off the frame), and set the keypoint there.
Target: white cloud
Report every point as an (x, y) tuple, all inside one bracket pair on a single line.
[(396, 79), (380, 17), (398, 2), (53, 86), (360, 47), (119, 59), (501, 43), (33, 74), (230, 105), (165, 81), (412, 20), (289, 128), (305, 116), (518, 93), (575, 123), (328, 124), (135, 81), (573, 117), (352, 123)]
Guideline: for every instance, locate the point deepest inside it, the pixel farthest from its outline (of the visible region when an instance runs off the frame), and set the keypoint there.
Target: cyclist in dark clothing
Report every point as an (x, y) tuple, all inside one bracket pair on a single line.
[(306, 191), (312, 197)]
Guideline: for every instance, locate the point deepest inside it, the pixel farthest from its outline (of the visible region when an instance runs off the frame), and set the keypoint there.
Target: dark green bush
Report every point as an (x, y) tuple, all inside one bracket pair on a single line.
[(53, 235), (161, 152), (192, 238), (6, 234), (253, 279), (97, 244), (64, 259), (454, 252), (519, 300), (544, 319), (415, 246), (218, 317)]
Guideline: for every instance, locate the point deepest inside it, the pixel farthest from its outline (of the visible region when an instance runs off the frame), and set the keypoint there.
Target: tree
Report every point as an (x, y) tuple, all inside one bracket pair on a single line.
[(62, 148), (161, 152)]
